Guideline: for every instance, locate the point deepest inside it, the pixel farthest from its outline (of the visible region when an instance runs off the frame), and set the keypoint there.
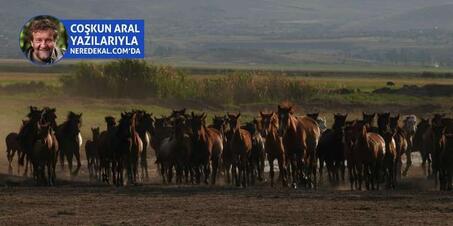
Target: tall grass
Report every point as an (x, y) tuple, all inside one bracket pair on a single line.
[(137, 79)]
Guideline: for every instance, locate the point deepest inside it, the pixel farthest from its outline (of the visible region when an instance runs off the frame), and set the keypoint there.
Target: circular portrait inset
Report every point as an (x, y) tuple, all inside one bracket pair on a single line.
[(44, 40)]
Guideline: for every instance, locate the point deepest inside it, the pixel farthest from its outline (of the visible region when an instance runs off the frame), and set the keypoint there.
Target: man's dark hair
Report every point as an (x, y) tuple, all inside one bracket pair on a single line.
[(42, 25)]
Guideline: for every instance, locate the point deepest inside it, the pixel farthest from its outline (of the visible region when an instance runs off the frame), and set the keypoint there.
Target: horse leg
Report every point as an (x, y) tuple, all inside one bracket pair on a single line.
[(144, 164), (321, 166), (243, 173), (27, 162), (271, 170), (62, 155), (69, 159), (261, 168), (215, 166), (408, 161), (10, 155), (49, 173), (360, 175), (314, 172), (226, 168), (79, 164), (252, 167), (351, 175)]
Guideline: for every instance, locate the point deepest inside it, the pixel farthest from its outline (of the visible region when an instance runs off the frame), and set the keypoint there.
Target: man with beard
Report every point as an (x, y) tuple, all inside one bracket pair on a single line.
[(43, 35)]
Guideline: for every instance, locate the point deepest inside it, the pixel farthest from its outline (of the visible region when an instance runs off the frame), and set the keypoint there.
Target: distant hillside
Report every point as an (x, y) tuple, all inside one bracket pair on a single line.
[(263, 31), (436, 17)]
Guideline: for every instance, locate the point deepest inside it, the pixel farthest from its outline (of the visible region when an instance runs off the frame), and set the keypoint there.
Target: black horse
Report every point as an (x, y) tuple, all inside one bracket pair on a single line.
[(70, 140)]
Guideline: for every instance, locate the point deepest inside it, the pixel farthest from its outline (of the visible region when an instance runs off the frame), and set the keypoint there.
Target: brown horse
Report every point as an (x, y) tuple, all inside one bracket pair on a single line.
[(91, 153), (12, 146), (207, 147), (241, 147), (70, 141), (137, 148), (370, 154), (221, 124), (274, 146), (401, 141), (300, 139), (390, 161), (128, 147)]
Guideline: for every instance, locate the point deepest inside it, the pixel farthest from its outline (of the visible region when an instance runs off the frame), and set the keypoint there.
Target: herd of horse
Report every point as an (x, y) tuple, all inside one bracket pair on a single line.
[(189, 150)]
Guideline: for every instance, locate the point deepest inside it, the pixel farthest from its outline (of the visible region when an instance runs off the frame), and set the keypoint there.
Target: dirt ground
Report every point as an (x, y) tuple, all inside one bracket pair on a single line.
[(80, 202)]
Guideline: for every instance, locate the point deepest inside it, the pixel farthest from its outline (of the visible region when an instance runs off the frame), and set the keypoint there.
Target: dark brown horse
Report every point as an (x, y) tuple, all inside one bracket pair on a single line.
[(13, 147), (220, 123), (436, 136), (331, 150), (274, 146), (144, 126), (92, 154), (300, 139), (422, 134), (70, 141), (161, 130), (445, 155), (28, 135), (446, 161), (207, 147), (183, 148), (383, 122), (257, 154), (351, 155), (106, 150), (241, 147), (45, 152)]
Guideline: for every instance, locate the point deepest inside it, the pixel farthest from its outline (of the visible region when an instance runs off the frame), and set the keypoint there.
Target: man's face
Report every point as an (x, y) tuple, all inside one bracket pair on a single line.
[(43, 43)]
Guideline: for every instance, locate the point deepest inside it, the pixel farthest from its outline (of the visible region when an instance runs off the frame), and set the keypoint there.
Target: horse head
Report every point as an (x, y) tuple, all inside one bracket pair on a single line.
[(394, 122), (314, 116), (49, 115), (74, 122), (285, 115), (383, 121), (96, 133), (198, 123), (368, 118), (125, 125), (233, 121), (220, 123), (110, 121), (339, 121), (268, 122)]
